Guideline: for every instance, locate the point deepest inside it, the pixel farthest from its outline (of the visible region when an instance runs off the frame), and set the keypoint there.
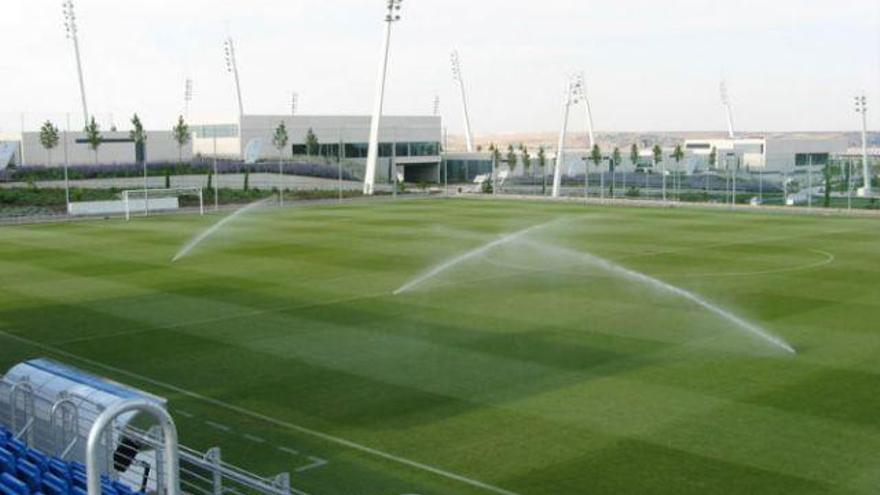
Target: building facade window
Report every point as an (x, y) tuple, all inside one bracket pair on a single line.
[(807, 159)]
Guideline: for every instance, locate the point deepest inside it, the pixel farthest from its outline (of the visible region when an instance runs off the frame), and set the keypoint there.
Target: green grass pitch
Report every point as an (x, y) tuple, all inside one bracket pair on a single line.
[(524, 370)]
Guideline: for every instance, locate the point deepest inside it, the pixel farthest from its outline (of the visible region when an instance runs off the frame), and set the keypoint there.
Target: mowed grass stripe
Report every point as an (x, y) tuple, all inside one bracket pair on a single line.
[(537, 382)]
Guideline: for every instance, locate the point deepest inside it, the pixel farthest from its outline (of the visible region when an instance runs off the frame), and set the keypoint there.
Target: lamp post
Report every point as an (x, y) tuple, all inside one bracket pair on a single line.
[(862, 108), (392, 16), (72, 34), (294, 104)]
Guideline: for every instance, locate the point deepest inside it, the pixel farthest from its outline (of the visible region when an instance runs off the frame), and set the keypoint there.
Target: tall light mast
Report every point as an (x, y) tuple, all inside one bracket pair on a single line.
[(72, 34), (436, 105), (187, 97), (862, 108), (392, 16), (725, 102), (232, 68), (459, 78), (572, 93), (580, 92), (294, 104)]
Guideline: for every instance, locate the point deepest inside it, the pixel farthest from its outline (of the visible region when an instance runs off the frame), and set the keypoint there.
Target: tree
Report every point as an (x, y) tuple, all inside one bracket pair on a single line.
[(49, 139), (596, 155), (279, 140), (616, 158), (511, 158), (678, 156), (828, 173), (139, 136), (526, 159), (634, 155), (658, 154), (657, 151), (93, 137), (181, 136), (713, 157), (542, 165), (312, 145)]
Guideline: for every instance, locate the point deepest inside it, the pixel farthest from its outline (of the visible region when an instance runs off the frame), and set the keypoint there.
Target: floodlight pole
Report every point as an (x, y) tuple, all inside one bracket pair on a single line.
[(373, 150), (232, 68), (862, 108), (560, 148), (459, 78), (187, 97), (216, 175), (72, 34), (725, 101)]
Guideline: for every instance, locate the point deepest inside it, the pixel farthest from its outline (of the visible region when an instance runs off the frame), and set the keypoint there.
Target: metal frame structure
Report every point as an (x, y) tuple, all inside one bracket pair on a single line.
[(94, 433), (105, 419), (392, 16), (72, 34), (728, 107), (126, 197), (458, 77), (574, 92)]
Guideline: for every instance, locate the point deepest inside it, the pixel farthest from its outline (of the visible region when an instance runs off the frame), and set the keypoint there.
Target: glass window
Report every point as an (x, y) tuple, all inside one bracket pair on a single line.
[(402, 149), (807, 159)]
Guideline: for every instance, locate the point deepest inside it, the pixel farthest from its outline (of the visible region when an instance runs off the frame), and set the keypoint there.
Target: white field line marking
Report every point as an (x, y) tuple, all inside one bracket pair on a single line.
[(253, 438), (214, 228), (288, 450), (183, 413), (829, 258), (474, 253), (218, 426), (316, 463), (268, 419)]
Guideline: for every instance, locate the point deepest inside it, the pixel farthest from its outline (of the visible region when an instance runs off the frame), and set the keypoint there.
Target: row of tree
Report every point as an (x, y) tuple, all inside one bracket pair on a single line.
[(50, 136), (596, 156)]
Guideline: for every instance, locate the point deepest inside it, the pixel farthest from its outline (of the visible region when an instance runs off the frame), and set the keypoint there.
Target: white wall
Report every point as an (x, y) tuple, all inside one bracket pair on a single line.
[(332, 129), (160, 147)]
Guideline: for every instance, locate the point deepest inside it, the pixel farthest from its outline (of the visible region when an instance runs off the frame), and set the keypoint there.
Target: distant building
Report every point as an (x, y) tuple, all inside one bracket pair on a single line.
[(116, 148), (772, 155), (413, 143)]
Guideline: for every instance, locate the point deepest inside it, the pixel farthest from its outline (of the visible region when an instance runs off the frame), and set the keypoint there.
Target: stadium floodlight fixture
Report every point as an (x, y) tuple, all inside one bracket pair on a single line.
[(392, 16), (459, 79), (572, 94), (861, 103), (72, 33), (232, 68)]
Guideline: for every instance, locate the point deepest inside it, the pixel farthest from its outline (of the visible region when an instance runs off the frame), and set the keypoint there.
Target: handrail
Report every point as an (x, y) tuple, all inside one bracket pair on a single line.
[(59, 406), (169, 430)]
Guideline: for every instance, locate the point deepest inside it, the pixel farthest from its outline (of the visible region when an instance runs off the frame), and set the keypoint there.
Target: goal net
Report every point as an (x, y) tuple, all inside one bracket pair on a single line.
[(146, 201)]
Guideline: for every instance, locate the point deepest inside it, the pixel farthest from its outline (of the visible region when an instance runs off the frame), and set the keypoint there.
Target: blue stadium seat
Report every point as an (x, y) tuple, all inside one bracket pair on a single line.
[(17, 486), (29, 473), (7, 461)]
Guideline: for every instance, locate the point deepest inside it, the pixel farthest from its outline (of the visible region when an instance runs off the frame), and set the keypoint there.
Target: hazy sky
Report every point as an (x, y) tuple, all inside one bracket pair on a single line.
[(651, 65)]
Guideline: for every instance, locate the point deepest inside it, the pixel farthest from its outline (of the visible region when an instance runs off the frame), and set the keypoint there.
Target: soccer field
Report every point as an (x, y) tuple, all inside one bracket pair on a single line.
[(534, 348)]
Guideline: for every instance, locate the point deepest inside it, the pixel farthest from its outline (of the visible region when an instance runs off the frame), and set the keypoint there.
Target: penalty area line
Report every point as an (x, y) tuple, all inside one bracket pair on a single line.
[(269, 419)]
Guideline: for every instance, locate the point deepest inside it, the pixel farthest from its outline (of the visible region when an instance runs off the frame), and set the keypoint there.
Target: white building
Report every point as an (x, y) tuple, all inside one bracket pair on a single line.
[(413, 143), (115, 148), (772, 155)]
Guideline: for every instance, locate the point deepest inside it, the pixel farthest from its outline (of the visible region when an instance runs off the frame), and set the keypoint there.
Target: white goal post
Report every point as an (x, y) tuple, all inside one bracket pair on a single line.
[(147, 200)]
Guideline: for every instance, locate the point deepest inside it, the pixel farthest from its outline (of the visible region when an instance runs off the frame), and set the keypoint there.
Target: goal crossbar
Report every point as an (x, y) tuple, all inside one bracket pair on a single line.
[(141, 199)]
